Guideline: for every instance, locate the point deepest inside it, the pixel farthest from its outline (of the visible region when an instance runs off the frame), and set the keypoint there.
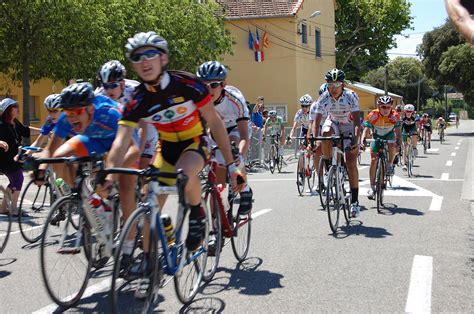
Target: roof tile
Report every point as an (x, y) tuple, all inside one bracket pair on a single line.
[(259, 8)]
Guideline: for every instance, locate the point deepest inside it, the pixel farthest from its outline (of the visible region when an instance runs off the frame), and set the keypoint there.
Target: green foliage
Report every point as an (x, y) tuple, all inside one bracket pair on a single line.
[(404, 75), (365, 30)]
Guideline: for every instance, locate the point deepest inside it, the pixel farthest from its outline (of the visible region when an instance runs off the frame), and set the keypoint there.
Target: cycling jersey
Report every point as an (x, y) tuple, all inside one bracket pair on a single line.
[(274, 126), (172, 106), (409, 125), (381, 125), (127, 93), (48, 126), (232, 107), (338, 111), (302, 118)]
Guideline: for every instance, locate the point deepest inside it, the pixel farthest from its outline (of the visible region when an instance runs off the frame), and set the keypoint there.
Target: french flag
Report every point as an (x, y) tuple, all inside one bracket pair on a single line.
[(259, 56)]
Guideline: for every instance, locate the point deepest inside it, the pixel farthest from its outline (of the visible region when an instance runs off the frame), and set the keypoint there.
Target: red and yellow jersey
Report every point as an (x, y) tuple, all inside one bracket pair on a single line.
[(171, 106), (381, 125)]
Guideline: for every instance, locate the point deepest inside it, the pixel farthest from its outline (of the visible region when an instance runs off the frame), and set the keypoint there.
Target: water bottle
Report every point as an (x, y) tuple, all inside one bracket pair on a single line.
[(166, 219), (101, 214), (60, 184)]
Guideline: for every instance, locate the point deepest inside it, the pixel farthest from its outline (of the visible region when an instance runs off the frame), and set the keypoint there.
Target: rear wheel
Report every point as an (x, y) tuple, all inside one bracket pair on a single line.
[(321, 187), (271, 160), (312, 173), (279, 160), (332, 200), (215, 236), (410, 161), (300, 177), (6, 220)]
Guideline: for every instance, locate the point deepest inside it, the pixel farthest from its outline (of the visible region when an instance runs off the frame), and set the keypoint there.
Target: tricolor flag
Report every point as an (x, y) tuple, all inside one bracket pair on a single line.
[(265, 40), (250, 40), (256, 43), (259, 56)]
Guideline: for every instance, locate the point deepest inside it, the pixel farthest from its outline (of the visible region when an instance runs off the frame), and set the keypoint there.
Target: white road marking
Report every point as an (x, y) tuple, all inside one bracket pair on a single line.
[(261, 212), (432, 150), (457, 147), (445, 176), (449, 163), (419, 293), (436, 202), (453, 154), (18, 231), (266, 180)]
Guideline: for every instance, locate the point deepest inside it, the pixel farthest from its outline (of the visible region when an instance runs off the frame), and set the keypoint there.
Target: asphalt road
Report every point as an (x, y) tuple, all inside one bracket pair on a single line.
[(417, 256)]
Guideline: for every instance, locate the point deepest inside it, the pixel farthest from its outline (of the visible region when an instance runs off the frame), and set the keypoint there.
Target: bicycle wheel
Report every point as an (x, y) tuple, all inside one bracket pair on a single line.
[(300, 175), (271, 160), (321, 187), (35, 211), (279, 162), (425, 146), (441, 137), (125, 287), (312, 174), (332, 199), (242, 229), (6, 220), (359, 158), (410, 161), (65, 255), (188, 278), (346, 196), (215, 235), (379, 183)]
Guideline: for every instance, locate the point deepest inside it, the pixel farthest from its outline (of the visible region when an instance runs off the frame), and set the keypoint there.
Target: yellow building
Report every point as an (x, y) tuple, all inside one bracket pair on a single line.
[(38, 92), (368, 96), (301, 49)]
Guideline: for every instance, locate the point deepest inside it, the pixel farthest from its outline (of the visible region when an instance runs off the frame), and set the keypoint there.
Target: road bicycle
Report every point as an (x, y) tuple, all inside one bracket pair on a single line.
[(441, 134), (6, 219), (275, 159), (225, 223), (337, 193), (305, 170), (409, 159), (167, 251)]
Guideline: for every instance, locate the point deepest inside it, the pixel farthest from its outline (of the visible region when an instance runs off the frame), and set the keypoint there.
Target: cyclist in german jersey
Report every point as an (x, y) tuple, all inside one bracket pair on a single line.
[(52, 105), (342, 107), (173, 102), (384, 123), (230, 104)]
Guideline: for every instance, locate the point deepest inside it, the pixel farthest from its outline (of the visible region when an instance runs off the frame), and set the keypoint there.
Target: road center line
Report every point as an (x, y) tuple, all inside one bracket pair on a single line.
[(445, 176), (449, 163), (457, 147), (453, 154), (261, 212), (436, 202), (419, 293)]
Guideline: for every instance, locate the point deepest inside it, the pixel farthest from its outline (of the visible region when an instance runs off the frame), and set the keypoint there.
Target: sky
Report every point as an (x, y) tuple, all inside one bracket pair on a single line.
[(427, 14)]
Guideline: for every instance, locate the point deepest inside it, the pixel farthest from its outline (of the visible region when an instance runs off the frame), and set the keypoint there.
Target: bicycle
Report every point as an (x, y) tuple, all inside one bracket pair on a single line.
[(409, 159), (305, 170), (5, 224), (322, 173), (381, 177), (77, 234), (337, 194), (441, 134), (224, 223), (167, 251), (274, 157)]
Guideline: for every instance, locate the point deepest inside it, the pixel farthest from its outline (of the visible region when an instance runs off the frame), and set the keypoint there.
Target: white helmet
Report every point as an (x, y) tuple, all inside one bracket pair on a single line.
[(272, 113), (409, 108), (306, 100)]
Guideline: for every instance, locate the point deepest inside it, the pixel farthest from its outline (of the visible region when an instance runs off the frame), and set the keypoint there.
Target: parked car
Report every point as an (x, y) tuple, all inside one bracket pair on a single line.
[(452, 117)]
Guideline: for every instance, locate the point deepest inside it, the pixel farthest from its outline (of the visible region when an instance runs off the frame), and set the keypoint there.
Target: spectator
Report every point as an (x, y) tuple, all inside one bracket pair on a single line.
[(460, 16), (11, 133), (257, 117)]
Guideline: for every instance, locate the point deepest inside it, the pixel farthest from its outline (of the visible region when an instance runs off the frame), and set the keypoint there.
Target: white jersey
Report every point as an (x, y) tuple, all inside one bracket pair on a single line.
[(340, 110), (312, 113), (127, 92), (302, 118), (232, 108)]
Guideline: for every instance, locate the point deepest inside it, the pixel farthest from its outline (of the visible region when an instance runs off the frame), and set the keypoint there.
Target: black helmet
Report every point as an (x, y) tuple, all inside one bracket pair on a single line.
[(77, 95), (52, 102), (212, 71), (335, 75), (112, 71), (150, 39)]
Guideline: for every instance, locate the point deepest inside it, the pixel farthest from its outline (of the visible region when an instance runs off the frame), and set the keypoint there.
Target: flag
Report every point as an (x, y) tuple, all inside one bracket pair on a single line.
[(259, 56), (265, 40), (250, 40), (256, 43)]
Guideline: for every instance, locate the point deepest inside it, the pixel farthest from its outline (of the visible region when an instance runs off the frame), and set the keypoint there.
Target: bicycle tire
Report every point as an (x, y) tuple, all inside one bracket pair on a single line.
[(332, 199), (47, 253), (379, 181), (300, 178), (271, 161), (5, 224), (192, 261), (215, 233), (346, 197), (242, 229), (37, 211), (312, 174), (321, 187), (410, 162), (425, 147), (359, 158), (279, 162)]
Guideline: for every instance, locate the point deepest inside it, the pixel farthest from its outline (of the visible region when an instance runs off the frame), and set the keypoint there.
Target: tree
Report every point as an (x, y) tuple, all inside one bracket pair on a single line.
[(404, 76), (456, 66), (72, 38), (365, 30), (434, 44)]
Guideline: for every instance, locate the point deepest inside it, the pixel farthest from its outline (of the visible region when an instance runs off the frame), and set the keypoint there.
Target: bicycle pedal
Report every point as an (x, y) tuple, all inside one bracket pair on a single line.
[(68, 251)]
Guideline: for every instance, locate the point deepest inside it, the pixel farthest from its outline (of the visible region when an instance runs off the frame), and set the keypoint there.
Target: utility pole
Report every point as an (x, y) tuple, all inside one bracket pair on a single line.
[(446, 102), (385, 82), (418, 107)]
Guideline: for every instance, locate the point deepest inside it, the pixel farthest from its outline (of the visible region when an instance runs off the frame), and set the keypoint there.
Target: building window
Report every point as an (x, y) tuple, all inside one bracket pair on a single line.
[(317, 33), (281, 109), (304, 33), (34, 108)]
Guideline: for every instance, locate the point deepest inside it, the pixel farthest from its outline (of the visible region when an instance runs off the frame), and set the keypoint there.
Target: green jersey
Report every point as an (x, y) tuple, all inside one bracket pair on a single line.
[(274, 126)]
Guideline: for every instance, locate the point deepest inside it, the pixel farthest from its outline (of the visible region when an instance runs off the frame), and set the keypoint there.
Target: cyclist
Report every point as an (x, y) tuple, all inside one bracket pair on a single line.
[(52, 104), (409, 128), (384, 123), (174, 102), (230, 104), (427, 129), (440, 124), (342, 107), (275, 124)]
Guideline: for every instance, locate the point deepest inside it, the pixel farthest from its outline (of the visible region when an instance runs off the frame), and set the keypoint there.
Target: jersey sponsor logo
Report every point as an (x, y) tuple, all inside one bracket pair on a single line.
[(188, 120), (181, 109), (154, 108), (177, 100), (156, 117), (169, 114)]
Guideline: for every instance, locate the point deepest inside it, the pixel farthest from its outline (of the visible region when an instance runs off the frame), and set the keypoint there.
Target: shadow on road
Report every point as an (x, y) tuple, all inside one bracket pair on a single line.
[(7, 261), (4, 273), (463, 134), (204, 305), (357, 228), (390, 209)]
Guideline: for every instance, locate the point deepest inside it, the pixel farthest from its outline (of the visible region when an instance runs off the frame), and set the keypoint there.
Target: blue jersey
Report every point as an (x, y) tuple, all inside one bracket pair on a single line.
[(104, 123), (48, 126)]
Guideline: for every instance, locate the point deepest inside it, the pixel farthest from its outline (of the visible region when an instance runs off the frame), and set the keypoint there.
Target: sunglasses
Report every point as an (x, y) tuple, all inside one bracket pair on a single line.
[(54, 110), (74, 112), (335, 84), (141, 56), (111, 85), (304, 106), (385, 106), (214, 84)]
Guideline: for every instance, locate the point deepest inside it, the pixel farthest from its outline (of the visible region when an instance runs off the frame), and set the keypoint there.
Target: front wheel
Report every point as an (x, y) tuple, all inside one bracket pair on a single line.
[(279, 161), (311, 173), (410, 161), (271, 160), (242, 229), (6, 220), (321, 187), (332, 199), (300, 176), (379, 184), (215, 235)]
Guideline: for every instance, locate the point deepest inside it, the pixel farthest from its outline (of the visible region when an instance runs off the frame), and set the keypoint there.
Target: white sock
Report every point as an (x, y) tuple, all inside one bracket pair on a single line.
[(127, 247)]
